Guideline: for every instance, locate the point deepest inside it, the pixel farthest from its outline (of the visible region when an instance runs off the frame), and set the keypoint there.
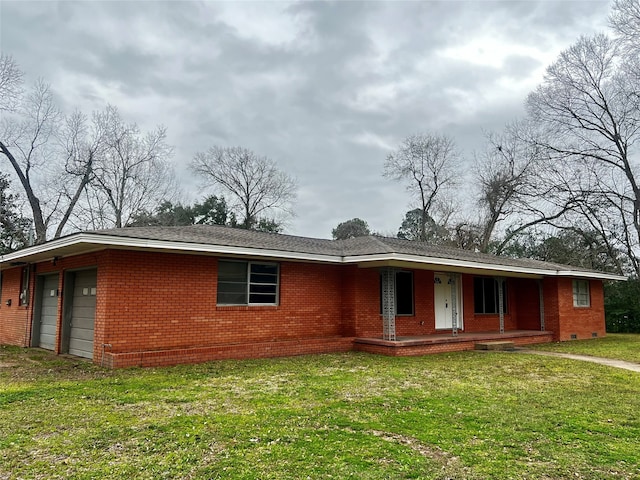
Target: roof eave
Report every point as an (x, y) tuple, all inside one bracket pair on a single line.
[(72, 244), (446, 262), (113, 241)]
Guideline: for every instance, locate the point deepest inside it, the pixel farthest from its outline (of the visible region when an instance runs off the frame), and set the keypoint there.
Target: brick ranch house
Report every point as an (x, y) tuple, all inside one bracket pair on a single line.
[(169, 295)]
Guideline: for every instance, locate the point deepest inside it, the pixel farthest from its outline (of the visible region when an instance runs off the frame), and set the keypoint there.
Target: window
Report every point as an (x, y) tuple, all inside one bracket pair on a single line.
[(403, 293), (24, 287), (247, 283), (485, 295), (581, 293)]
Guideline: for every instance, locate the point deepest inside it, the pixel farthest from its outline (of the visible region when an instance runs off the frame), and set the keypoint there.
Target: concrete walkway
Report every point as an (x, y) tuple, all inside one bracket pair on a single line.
[(634, 367)]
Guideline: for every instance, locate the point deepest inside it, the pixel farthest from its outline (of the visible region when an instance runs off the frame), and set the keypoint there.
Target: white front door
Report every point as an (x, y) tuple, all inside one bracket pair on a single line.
[(442, 301)]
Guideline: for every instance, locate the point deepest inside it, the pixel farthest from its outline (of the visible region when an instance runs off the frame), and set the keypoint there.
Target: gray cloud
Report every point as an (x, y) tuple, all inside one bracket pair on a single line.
[(324, 88)]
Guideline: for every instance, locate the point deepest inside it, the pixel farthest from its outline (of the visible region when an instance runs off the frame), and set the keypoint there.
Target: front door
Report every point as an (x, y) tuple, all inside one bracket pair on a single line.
[(442, 301)]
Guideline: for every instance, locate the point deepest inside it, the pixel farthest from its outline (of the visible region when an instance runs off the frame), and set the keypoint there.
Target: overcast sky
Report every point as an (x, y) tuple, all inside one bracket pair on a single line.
[(326, 89)]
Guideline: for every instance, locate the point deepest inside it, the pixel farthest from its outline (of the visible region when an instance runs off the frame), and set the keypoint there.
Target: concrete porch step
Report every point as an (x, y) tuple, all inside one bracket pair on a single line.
[(502, 345)]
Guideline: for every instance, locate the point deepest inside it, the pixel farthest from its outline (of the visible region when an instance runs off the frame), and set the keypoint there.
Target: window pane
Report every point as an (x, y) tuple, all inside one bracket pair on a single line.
[(263, 289), (486, 295), (232, 298), (232, 283), (232, 293), (404, 293), (478, 295), (490, 295), (263, 278), (581, 293), (264, 268), (232, 271), (262, 298)]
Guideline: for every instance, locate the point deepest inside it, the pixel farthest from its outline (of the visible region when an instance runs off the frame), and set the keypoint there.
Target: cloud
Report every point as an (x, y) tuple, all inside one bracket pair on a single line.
[(327, 89)]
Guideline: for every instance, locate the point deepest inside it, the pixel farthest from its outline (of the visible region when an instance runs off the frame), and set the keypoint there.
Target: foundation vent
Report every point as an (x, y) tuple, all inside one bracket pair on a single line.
[(574, 336), (594, 334)]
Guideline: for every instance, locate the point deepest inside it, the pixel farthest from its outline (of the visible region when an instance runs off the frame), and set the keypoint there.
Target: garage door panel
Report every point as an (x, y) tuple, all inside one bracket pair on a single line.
[(84, 311), (81, 348), (83, 314), (48, 312), (82, 333)]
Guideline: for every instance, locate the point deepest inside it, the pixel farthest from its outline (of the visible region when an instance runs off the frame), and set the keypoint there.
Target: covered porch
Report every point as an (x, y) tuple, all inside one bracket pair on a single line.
[(447, 342)]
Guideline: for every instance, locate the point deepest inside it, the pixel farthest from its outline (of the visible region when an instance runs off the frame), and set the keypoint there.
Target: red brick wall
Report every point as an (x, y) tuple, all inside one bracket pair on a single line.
[(361, 302), (526, 302), (14, 319), (580, 321), (564, 319), (423, 321), (162, 301)]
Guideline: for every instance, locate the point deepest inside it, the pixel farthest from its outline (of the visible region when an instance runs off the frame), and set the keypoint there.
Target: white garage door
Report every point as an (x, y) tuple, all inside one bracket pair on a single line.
[(83, 314), (49, 312)]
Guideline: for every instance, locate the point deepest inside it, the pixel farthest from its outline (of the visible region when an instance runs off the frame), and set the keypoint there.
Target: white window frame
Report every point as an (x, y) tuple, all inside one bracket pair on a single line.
[(249, 283), (581, 294)]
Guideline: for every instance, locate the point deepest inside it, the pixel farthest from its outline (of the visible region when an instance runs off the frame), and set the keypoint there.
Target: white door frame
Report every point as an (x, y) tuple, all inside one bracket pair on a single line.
[(443, 319)]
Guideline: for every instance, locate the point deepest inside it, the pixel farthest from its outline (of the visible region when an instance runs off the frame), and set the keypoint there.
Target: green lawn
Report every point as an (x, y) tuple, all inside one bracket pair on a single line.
[(465, 416), (620, 346)]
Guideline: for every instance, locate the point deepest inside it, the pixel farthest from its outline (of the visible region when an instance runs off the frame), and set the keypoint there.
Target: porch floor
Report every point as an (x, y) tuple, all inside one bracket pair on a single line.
[(446, 342), (449, 338)]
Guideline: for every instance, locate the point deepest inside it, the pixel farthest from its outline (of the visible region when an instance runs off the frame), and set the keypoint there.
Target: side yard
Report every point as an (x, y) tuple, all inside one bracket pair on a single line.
[(620, 346), (467, 415)]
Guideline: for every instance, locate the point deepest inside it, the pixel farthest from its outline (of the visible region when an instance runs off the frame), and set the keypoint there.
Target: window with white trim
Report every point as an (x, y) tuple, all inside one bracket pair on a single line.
[(581, 296), (247, 283)]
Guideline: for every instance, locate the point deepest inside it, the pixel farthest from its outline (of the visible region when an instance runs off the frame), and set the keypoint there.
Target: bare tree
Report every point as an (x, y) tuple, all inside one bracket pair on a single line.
[(131, 174), (26, 141), (625, 21), (506, 174), (10, 83), (589, 113), (254, 183), (430, 167)]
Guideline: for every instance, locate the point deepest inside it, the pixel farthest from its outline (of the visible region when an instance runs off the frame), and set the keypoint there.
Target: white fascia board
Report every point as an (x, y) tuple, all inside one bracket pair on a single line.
[(446, 262), (142, 243), (599, 275)]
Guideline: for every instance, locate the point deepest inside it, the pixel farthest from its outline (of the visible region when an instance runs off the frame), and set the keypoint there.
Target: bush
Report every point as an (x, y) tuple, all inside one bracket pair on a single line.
[(622, 306)]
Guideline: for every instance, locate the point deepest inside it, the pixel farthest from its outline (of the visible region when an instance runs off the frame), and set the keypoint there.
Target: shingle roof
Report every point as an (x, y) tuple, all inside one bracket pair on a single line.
[(360, 246)]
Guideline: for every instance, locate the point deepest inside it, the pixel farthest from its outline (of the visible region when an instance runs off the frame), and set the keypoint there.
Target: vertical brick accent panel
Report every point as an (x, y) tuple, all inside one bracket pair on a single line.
[(526, 302), (362, 306), (14, 319), (551, 307)]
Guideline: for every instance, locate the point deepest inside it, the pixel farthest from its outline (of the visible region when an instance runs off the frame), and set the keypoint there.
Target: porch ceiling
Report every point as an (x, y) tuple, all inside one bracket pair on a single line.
[(443, 267)]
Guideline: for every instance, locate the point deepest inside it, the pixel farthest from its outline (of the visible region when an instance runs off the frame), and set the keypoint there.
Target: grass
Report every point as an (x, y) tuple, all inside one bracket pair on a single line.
[(466, 415), (619, 346)]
